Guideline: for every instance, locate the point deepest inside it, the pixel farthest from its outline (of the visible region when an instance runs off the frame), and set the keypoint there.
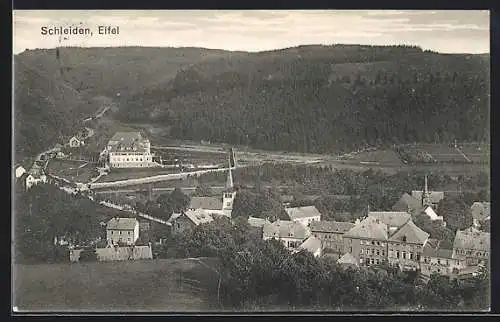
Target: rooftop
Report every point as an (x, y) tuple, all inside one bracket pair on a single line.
[(480, 210), (257, 222), (311, 244), (472, 239), (410, 233), (302, 212), (368, 228), (285, 229), (198, 216), (122, 224), (348, 259), (128, 141), (211, 203), (391, 218), (331, 226), (406, 201), (436, 196)]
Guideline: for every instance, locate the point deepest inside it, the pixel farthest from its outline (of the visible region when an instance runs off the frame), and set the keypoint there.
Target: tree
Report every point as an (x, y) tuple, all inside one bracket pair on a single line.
[(455, 212)]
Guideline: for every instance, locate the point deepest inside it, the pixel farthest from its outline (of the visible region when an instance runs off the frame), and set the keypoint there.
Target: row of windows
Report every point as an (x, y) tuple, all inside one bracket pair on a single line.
[(121, 165), (329, 236), (373, 242), (129, 159), (373, 252), (369, 261), (120, 232), (440, 261), (128, 153), (404, 255), (470, 252)]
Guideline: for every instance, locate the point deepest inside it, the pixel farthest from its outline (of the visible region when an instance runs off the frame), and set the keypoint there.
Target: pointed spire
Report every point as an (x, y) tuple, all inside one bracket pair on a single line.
[(229, 181), (426, 190)]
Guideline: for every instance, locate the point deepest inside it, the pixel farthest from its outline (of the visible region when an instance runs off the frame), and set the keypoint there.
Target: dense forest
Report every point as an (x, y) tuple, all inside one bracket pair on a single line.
[(308, 98), (324, 98)]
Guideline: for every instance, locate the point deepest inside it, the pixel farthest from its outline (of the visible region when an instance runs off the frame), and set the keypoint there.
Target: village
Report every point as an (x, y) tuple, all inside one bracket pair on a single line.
[(377, 237)]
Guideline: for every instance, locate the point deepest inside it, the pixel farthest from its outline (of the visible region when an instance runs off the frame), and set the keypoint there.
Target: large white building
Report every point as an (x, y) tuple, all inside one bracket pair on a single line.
[(122, 230), (129, 150)]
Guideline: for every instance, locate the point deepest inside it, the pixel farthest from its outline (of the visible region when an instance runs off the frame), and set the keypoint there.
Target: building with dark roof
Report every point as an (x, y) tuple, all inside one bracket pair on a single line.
[(304, 215), (480, 213), (292, 234), (438, 260), (405, 246), (122, 230), (331, 233), (471, 245), (129, 150)]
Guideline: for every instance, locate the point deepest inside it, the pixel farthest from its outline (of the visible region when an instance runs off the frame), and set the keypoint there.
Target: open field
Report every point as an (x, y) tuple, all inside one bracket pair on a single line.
[(77, 171), (168, 285), (134, 173), (386, 157), (442, 153)]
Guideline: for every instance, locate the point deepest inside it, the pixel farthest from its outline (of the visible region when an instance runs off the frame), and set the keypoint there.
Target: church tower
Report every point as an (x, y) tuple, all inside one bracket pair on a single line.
[(426, 196), (229, 193)]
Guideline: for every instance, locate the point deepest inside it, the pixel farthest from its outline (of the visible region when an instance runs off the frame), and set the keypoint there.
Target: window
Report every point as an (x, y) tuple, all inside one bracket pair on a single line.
[(378, 243), (178, 225), (373, 251), (377, 261), (418, 257), (378, 252), (129, 233), (403, 255), (383, 253), (120, 232), (404, 239), (439, 261), (397, 254), (411, 255), (351, 250), (111, 232), (373, 242), (361, 251)]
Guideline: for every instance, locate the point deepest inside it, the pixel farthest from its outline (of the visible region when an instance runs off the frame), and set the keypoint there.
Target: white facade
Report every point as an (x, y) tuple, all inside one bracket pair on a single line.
[(130, 159), (32, 181), (20, 171), (74, 142), (125, 236), (228, 200)]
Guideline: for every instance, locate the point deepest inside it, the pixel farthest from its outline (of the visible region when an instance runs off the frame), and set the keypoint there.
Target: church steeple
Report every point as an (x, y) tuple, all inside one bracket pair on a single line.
[(229, 180), (426, 196)]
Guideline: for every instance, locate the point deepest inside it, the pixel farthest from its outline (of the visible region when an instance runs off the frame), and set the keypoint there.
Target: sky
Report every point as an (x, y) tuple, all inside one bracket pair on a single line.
[(463, 31)]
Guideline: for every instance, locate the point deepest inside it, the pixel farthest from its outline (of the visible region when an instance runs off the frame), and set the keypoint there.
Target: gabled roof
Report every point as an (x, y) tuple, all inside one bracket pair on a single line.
[(348, 259), (257, 222), (198, 216), (406, 201), (312, 244), (302, 212), (285, 229), (391, 218), (432, 214), (480, 210), (472, 239), (410, 233), (331, 226), (368, 228), (127, 141), (436, 196), (432, 249), (211, 203), (122, 224)]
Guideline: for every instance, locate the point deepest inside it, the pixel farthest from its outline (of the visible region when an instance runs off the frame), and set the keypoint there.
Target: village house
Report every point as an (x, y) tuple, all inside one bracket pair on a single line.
[(312, 245), (122, 230), (331, 233), (347, 260), (437, 260), (303, 215), (406, 245), (255, 222), (34, 177), (367, 241), (222, 206), (480, 213), (129, 150), (76, 142), (292, 234), (189, 219), (471, 245), (19, 171)]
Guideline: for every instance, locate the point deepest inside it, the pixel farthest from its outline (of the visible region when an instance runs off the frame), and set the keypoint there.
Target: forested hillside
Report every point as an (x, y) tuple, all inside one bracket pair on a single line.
[(324, 98), (56, 88), (309, 98)]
